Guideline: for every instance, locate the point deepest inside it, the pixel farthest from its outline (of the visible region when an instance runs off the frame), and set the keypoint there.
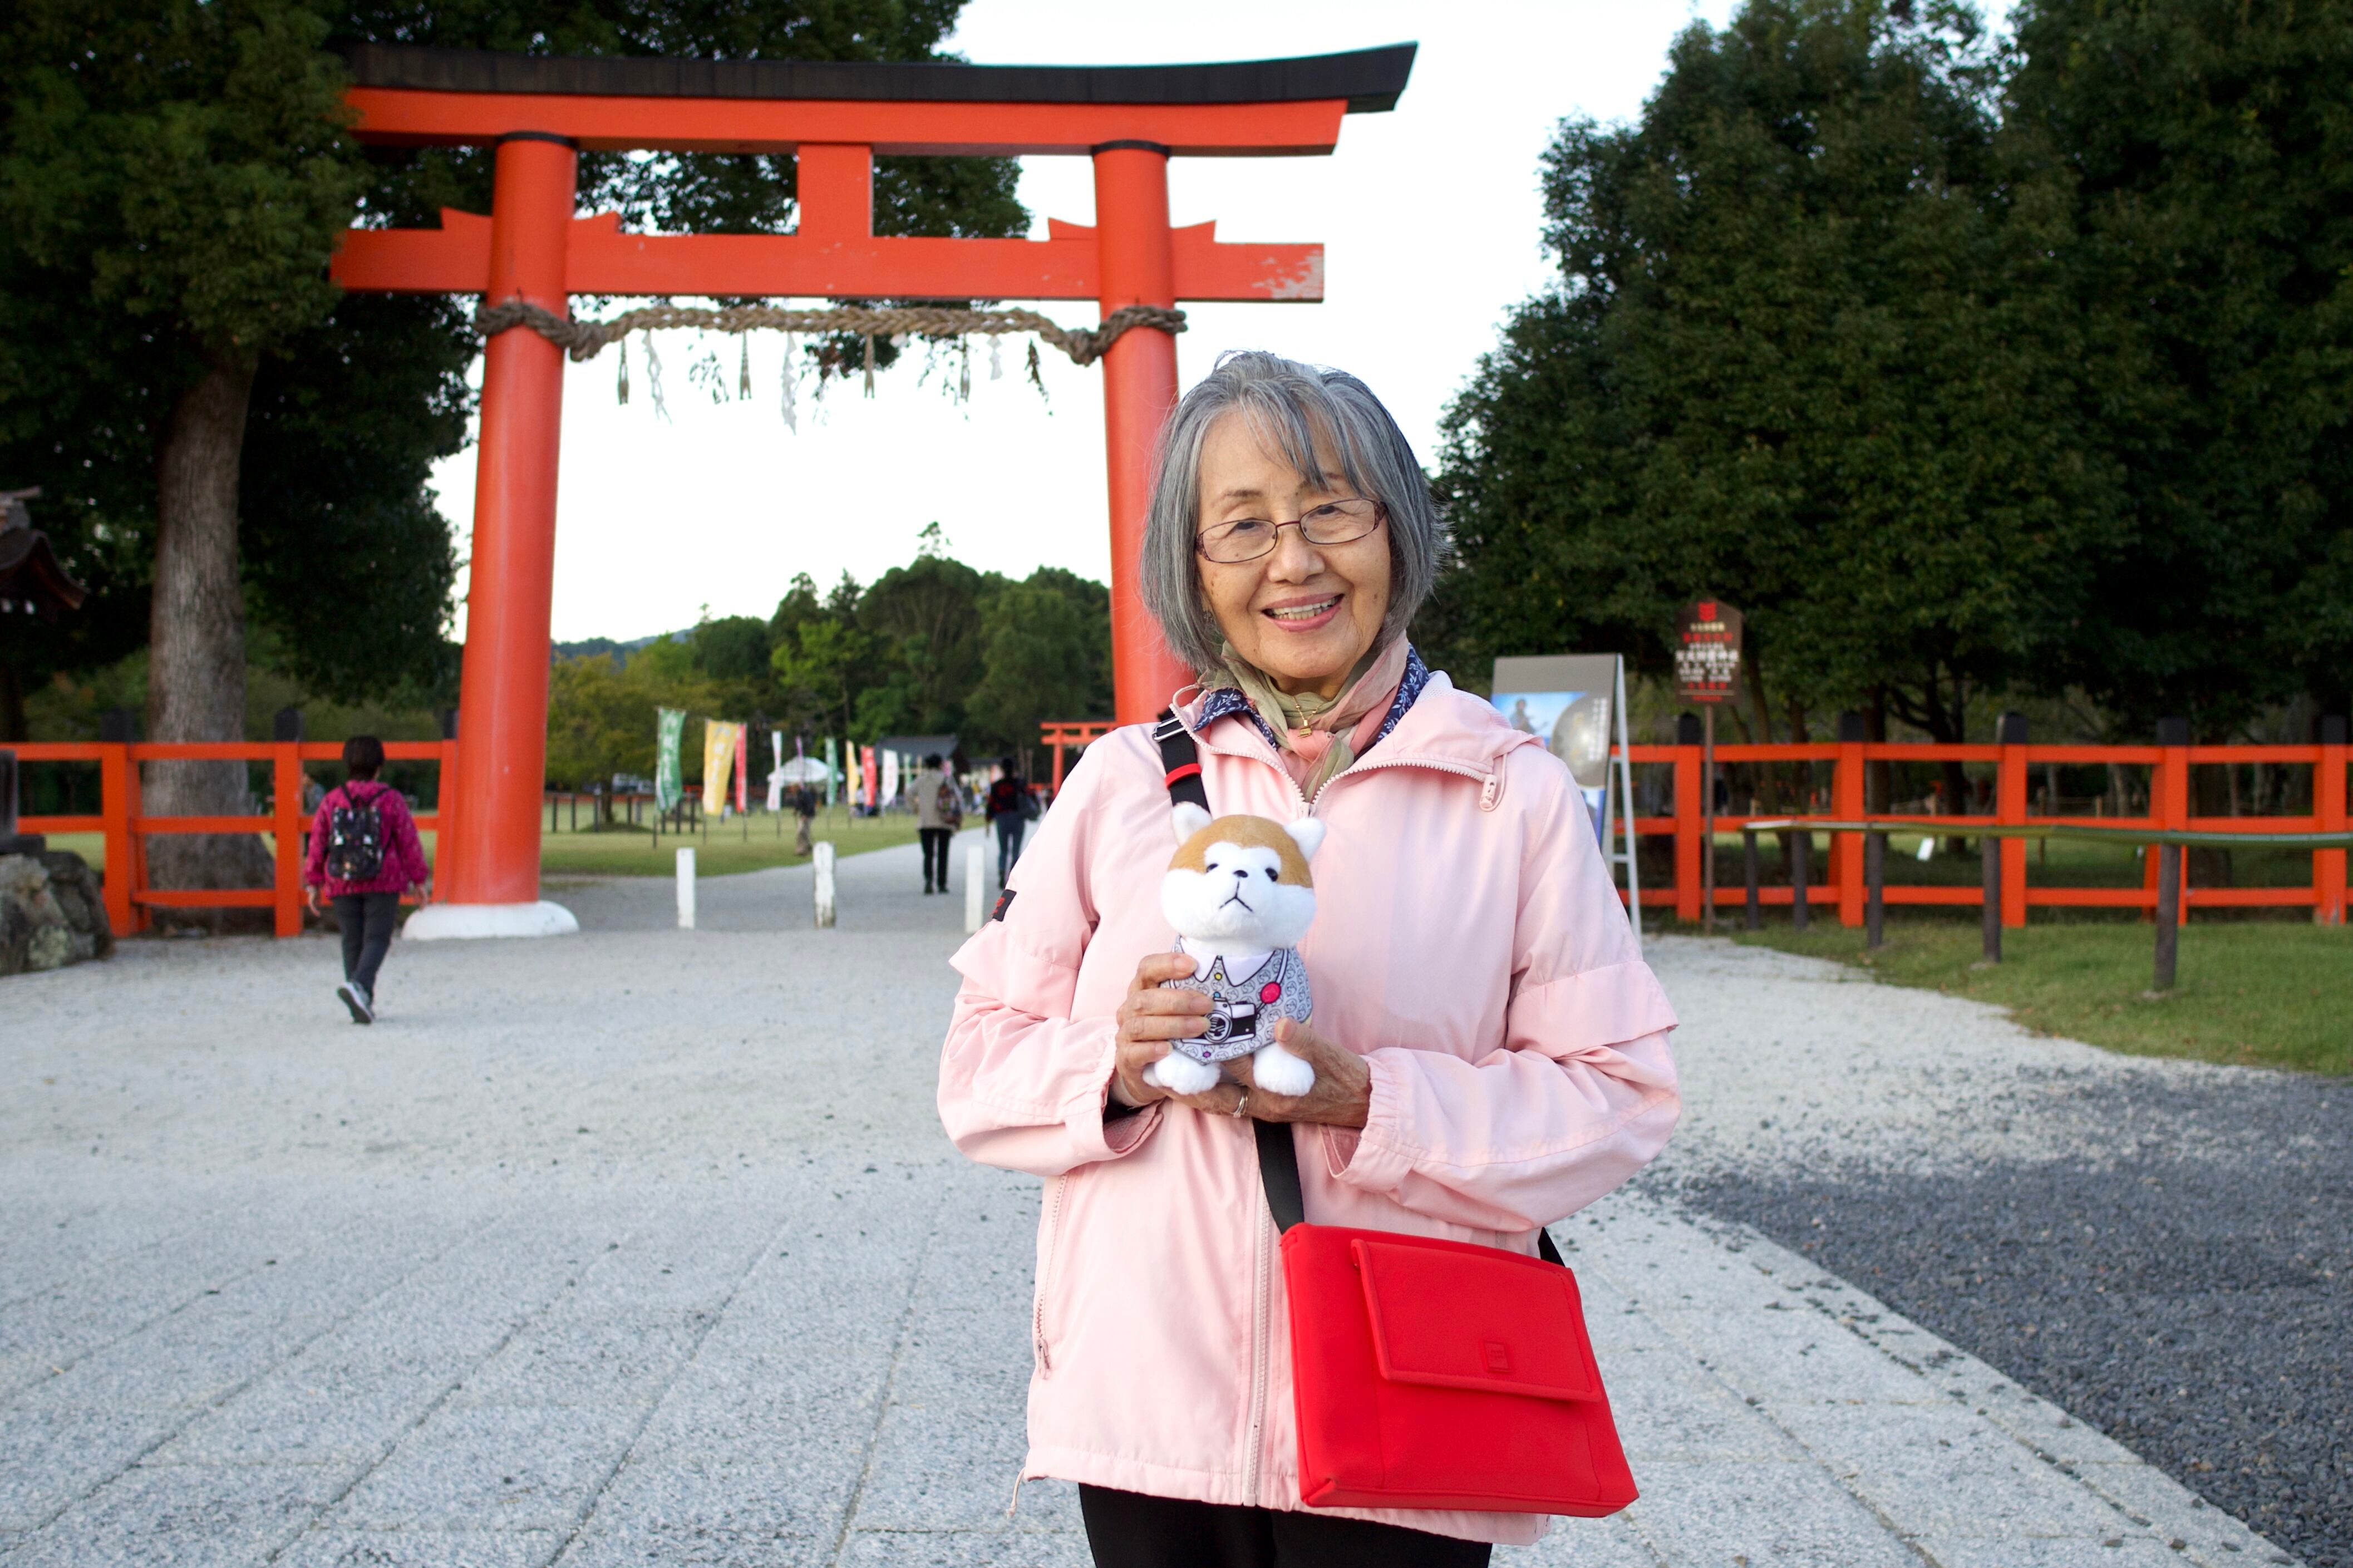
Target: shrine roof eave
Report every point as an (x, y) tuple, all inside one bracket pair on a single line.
[(1368, 81)]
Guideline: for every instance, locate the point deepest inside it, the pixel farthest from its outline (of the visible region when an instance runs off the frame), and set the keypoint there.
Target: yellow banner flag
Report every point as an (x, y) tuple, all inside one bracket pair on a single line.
[(718, 762)]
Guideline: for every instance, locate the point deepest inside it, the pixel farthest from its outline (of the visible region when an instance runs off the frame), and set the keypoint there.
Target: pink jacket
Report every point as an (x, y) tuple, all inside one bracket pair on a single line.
[(1466, 941)]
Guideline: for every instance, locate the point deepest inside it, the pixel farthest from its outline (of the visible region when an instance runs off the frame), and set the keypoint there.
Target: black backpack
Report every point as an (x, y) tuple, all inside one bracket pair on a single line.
[(355, 840)]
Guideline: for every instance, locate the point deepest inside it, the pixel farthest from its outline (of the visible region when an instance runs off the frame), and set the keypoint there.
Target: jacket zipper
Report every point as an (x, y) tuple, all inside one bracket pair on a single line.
[(1045, 1284), (1261, 1308)]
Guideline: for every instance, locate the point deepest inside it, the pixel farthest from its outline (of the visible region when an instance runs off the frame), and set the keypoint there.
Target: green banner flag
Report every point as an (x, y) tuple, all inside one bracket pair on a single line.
[(831, 772), (667, 790)]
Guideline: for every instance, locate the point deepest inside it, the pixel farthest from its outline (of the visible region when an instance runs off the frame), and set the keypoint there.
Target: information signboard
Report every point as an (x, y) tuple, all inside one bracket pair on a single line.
[(1707, 651), (1575, 704)]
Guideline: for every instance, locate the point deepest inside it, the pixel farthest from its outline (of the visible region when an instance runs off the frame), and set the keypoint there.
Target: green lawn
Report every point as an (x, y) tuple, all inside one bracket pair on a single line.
[(2268, 993), (747, 844), (750, 844)]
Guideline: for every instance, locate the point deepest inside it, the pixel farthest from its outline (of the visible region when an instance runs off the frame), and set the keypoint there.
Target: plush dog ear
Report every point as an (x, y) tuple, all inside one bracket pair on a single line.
[(1308, 834), (1188, 818)]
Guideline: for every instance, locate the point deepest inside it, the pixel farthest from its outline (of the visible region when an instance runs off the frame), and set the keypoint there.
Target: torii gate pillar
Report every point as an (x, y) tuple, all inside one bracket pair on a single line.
[(1139, 389), (492, 888), (833, 117)]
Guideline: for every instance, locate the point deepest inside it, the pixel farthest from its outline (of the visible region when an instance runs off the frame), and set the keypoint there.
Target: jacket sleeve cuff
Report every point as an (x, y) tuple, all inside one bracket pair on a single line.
[(1094, 1138), (1378, 1163)]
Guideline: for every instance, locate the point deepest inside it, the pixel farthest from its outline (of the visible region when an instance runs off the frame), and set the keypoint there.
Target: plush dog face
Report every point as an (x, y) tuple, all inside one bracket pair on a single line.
[(1241, 883)]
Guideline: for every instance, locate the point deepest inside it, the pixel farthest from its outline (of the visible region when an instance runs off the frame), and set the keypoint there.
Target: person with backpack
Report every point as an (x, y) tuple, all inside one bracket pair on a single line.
[(1011, 809), (364, 851), (938, 813)]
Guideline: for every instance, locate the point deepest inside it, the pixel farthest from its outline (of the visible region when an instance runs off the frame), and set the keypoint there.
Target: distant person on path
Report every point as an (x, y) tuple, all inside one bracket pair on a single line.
[(1490, 1050), (804, 813), (363, 850), (938, 813), (1011, 809)]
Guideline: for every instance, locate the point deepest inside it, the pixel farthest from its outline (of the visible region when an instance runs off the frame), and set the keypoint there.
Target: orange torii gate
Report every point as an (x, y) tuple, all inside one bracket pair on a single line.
[(540, 113)]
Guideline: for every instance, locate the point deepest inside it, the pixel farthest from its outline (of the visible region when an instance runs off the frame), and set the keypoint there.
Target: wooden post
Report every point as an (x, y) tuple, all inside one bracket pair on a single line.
[(1801, 872), (286, 825), (2010, 810), (1707, 816), (1989, 852), (1687, 817), (1848, 801), (2328, 817), (2169, 799), (1874, 879), (126, 853), (2168, 914), (1748, 854)]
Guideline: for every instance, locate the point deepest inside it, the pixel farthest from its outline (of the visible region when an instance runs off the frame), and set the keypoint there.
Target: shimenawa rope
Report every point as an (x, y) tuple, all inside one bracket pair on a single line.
[(583, 339)]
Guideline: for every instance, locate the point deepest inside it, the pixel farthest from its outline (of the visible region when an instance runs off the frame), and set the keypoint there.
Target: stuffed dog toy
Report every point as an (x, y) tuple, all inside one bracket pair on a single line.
[(1240, 897)]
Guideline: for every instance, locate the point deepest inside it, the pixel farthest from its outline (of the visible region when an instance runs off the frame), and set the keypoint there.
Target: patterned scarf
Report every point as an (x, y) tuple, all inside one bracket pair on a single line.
[(1317, 738)]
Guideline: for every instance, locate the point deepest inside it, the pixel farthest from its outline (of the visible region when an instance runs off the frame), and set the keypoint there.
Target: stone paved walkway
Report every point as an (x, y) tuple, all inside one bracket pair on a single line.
[(644, 1247)]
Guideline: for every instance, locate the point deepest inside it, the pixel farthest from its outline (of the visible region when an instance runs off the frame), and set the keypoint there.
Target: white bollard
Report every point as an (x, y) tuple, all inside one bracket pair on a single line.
[(686, 890), (975, 879), (821, 862)]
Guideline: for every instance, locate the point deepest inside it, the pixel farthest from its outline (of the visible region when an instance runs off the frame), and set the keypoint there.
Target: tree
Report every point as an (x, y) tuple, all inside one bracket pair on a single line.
[(185, 164), (2213, 263), (1045, 654), (1804, 354)]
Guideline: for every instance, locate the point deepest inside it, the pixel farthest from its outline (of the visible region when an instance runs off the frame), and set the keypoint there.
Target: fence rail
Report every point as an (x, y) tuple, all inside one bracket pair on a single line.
[(130, 898), (2012, 821)]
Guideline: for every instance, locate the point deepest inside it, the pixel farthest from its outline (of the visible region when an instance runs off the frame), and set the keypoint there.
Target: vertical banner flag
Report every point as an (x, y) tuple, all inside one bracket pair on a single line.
[(776, 771), (889, 777), (743, 767), (866, 768), (718, 756), (669, 734), (829, 774)]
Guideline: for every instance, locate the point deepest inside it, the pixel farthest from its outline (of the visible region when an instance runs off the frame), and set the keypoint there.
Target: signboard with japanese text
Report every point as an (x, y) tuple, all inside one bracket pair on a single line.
[(1707, 651)]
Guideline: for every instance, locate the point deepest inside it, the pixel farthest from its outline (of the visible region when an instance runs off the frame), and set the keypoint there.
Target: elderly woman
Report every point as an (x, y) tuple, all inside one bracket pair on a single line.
[(1490, 1054)]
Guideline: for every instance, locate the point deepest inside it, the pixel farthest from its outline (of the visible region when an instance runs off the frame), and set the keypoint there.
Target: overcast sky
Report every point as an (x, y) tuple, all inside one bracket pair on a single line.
[(1429, 215)]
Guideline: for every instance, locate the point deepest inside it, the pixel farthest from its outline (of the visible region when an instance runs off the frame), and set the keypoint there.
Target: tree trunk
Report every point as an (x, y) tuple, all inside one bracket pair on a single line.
[(12, 703), (196, 666)]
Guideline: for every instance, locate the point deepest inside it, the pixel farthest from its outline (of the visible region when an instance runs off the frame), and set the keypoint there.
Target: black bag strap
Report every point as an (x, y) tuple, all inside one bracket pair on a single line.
[(1180, 760), (1278, 1158), (1278, 1173)]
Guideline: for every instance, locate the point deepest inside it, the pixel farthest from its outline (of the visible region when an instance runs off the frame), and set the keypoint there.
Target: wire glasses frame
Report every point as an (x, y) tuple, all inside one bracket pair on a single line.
[(1248, 538)]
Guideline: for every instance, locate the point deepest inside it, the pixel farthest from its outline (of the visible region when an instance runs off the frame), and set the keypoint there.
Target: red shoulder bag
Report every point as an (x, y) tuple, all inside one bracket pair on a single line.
[(1429, 1374)]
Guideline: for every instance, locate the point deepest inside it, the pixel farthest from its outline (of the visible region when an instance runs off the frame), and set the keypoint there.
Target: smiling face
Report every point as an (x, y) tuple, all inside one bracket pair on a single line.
[(1303, 613)]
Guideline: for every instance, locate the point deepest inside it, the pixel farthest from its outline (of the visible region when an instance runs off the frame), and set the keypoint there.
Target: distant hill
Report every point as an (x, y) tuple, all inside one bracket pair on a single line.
[(618, 652)]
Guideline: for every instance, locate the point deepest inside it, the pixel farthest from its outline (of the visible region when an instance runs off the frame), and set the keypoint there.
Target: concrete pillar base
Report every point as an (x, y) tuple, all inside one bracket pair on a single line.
[(442, 923)]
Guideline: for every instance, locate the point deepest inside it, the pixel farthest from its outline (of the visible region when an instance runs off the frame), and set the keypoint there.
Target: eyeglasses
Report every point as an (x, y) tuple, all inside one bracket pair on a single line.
[(1248, 538)]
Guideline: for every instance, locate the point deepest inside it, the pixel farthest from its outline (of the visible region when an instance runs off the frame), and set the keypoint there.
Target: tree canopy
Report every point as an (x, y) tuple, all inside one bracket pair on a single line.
[(1960, 368)]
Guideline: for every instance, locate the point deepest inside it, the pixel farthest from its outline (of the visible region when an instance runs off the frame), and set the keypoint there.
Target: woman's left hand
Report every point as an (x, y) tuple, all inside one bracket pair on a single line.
[(1342, 1093)]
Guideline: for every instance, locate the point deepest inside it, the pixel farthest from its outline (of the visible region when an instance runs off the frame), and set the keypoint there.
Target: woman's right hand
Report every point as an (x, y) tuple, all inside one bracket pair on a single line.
[(1153, 1016)]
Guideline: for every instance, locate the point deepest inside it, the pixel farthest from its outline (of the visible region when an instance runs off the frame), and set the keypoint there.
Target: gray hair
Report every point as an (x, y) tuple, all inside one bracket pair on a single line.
[(1288, 405)]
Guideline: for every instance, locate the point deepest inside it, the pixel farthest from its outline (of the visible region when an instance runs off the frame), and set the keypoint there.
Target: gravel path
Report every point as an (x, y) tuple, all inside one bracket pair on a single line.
[(643, 1247), (2164, 1248)]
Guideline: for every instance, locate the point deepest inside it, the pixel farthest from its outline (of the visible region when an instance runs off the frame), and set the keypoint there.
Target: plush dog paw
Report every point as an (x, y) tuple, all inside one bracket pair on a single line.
[(1182, 1075), (1277, 1071)]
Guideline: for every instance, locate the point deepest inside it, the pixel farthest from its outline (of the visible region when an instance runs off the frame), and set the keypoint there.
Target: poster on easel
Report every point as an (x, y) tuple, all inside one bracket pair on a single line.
[(1576, 705)]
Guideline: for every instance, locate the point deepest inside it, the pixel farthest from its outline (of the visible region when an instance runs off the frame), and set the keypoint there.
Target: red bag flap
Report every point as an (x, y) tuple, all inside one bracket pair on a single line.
[(1453, 1316)]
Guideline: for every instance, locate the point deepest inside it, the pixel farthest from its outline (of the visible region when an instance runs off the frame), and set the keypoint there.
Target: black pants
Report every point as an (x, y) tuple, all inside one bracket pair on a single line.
[(366, 921), (1127, 1530), (935, 853), (1009, 828)]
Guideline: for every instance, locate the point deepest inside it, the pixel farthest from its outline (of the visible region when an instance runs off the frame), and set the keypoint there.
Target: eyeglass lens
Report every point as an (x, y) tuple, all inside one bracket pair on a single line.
[(1334, 522)]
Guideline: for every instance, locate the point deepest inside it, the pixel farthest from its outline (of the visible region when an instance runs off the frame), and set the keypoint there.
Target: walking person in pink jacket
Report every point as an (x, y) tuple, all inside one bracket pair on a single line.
[(1490, 1052), (364, 851)]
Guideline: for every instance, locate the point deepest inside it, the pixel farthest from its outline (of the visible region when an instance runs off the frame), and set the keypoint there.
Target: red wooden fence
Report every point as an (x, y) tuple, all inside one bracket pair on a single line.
[(128, 898), (2168, 809)]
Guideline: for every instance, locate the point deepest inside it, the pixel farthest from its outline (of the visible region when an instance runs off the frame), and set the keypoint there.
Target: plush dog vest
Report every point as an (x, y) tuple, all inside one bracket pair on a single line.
[(1246, 1005)]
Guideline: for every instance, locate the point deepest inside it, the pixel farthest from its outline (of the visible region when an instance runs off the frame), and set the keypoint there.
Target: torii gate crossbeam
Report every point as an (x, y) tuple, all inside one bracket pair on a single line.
[(540, 113)]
